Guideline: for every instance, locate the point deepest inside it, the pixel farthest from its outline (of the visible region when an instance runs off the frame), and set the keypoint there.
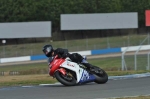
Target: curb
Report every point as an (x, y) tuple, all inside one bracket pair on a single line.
[(129, 76)]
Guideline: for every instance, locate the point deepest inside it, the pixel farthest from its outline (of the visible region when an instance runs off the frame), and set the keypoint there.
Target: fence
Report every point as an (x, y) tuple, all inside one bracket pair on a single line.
[(2, 73), (138, 59), (71, 45)]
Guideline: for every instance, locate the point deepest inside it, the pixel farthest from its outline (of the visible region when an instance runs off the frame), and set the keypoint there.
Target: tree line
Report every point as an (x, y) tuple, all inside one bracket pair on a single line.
[(50, 10)]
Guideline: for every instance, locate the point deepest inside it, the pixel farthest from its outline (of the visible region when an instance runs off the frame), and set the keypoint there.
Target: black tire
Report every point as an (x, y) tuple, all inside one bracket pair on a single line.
[(101, 78), (63, 81)]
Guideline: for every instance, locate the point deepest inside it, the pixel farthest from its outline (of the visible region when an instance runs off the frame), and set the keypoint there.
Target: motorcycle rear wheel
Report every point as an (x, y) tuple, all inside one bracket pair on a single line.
[(65, 79)]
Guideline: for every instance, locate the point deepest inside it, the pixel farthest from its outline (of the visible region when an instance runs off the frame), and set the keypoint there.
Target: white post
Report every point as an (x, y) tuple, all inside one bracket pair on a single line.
[(148, 67), (123, 60), (135, 58), (135, 65), (148, 38)]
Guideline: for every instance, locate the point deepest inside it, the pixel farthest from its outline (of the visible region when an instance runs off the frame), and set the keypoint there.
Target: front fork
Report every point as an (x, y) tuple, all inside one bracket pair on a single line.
[(65, 75)]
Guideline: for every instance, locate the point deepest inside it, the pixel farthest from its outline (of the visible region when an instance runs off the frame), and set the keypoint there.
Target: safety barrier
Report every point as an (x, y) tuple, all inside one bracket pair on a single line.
[(15, 59), (89, 52), (37, 57), (106, 51), (134, 48)]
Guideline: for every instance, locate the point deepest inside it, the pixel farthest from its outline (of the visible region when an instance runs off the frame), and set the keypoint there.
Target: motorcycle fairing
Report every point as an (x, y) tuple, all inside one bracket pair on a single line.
[(81, 74), (55, 65), (86, 77)]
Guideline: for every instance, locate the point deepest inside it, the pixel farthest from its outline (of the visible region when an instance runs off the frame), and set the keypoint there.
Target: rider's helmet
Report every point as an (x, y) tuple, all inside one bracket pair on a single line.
[(48, 49)]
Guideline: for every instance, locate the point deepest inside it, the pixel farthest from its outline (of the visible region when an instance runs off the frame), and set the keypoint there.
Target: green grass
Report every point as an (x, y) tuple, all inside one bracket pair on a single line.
[(27, 82), (24, 67), (108, 64), (20, 80), (37, 73)]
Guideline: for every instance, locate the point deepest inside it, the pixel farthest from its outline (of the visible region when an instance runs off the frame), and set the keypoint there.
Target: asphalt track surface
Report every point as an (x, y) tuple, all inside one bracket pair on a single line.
[(113, 88)]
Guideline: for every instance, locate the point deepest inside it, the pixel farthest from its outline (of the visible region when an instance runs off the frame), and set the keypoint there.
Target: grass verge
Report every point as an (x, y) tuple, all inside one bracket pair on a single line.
[(138, 97), (37, 73), (20, 80)]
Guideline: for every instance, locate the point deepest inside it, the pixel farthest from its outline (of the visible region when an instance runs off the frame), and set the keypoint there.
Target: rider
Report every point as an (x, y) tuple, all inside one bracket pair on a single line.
[(63, 53)]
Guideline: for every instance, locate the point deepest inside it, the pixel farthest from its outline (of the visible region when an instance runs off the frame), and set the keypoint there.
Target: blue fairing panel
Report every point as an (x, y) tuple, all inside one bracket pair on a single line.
[(86, 77)]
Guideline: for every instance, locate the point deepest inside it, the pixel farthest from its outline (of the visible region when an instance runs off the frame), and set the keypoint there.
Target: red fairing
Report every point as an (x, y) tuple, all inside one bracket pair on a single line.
[(62, 70), (54, 65)]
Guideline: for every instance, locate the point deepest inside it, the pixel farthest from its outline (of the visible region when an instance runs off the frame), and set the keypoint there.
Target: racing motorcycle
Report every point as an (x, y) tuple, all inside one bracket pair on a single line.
[(70, 73)]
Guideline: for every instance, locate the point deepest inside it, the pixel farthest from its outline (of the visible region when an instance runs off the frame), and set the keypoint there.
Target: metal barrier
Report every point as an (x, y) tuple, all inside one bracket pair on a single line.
[(13, 73), (2, 73), (135, 56), (128, 61)]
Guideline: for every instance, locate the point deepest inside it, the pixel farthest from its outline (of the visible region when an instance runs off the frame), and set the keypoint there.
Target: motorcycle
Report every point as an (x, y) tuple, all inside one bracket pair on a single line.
[(70, 73)]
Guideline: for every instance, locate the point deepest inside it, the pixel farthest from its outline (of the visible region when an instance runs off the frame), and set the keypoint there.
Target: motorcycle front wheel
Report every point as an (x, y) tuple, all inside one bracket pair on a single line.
[(67, 80)]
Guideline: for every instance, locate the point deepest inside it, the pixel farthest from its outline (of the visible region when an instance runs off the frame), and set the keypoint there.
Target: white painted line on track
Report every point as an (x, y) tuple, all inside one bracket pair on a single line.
[(129, 76), (27, 86), (50, 84)]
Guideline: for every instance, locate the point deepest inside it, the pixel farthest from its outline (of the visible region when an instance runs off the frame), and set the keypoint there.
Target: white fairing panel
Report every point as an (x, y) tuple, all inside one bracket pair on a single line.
[(74, 67)]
